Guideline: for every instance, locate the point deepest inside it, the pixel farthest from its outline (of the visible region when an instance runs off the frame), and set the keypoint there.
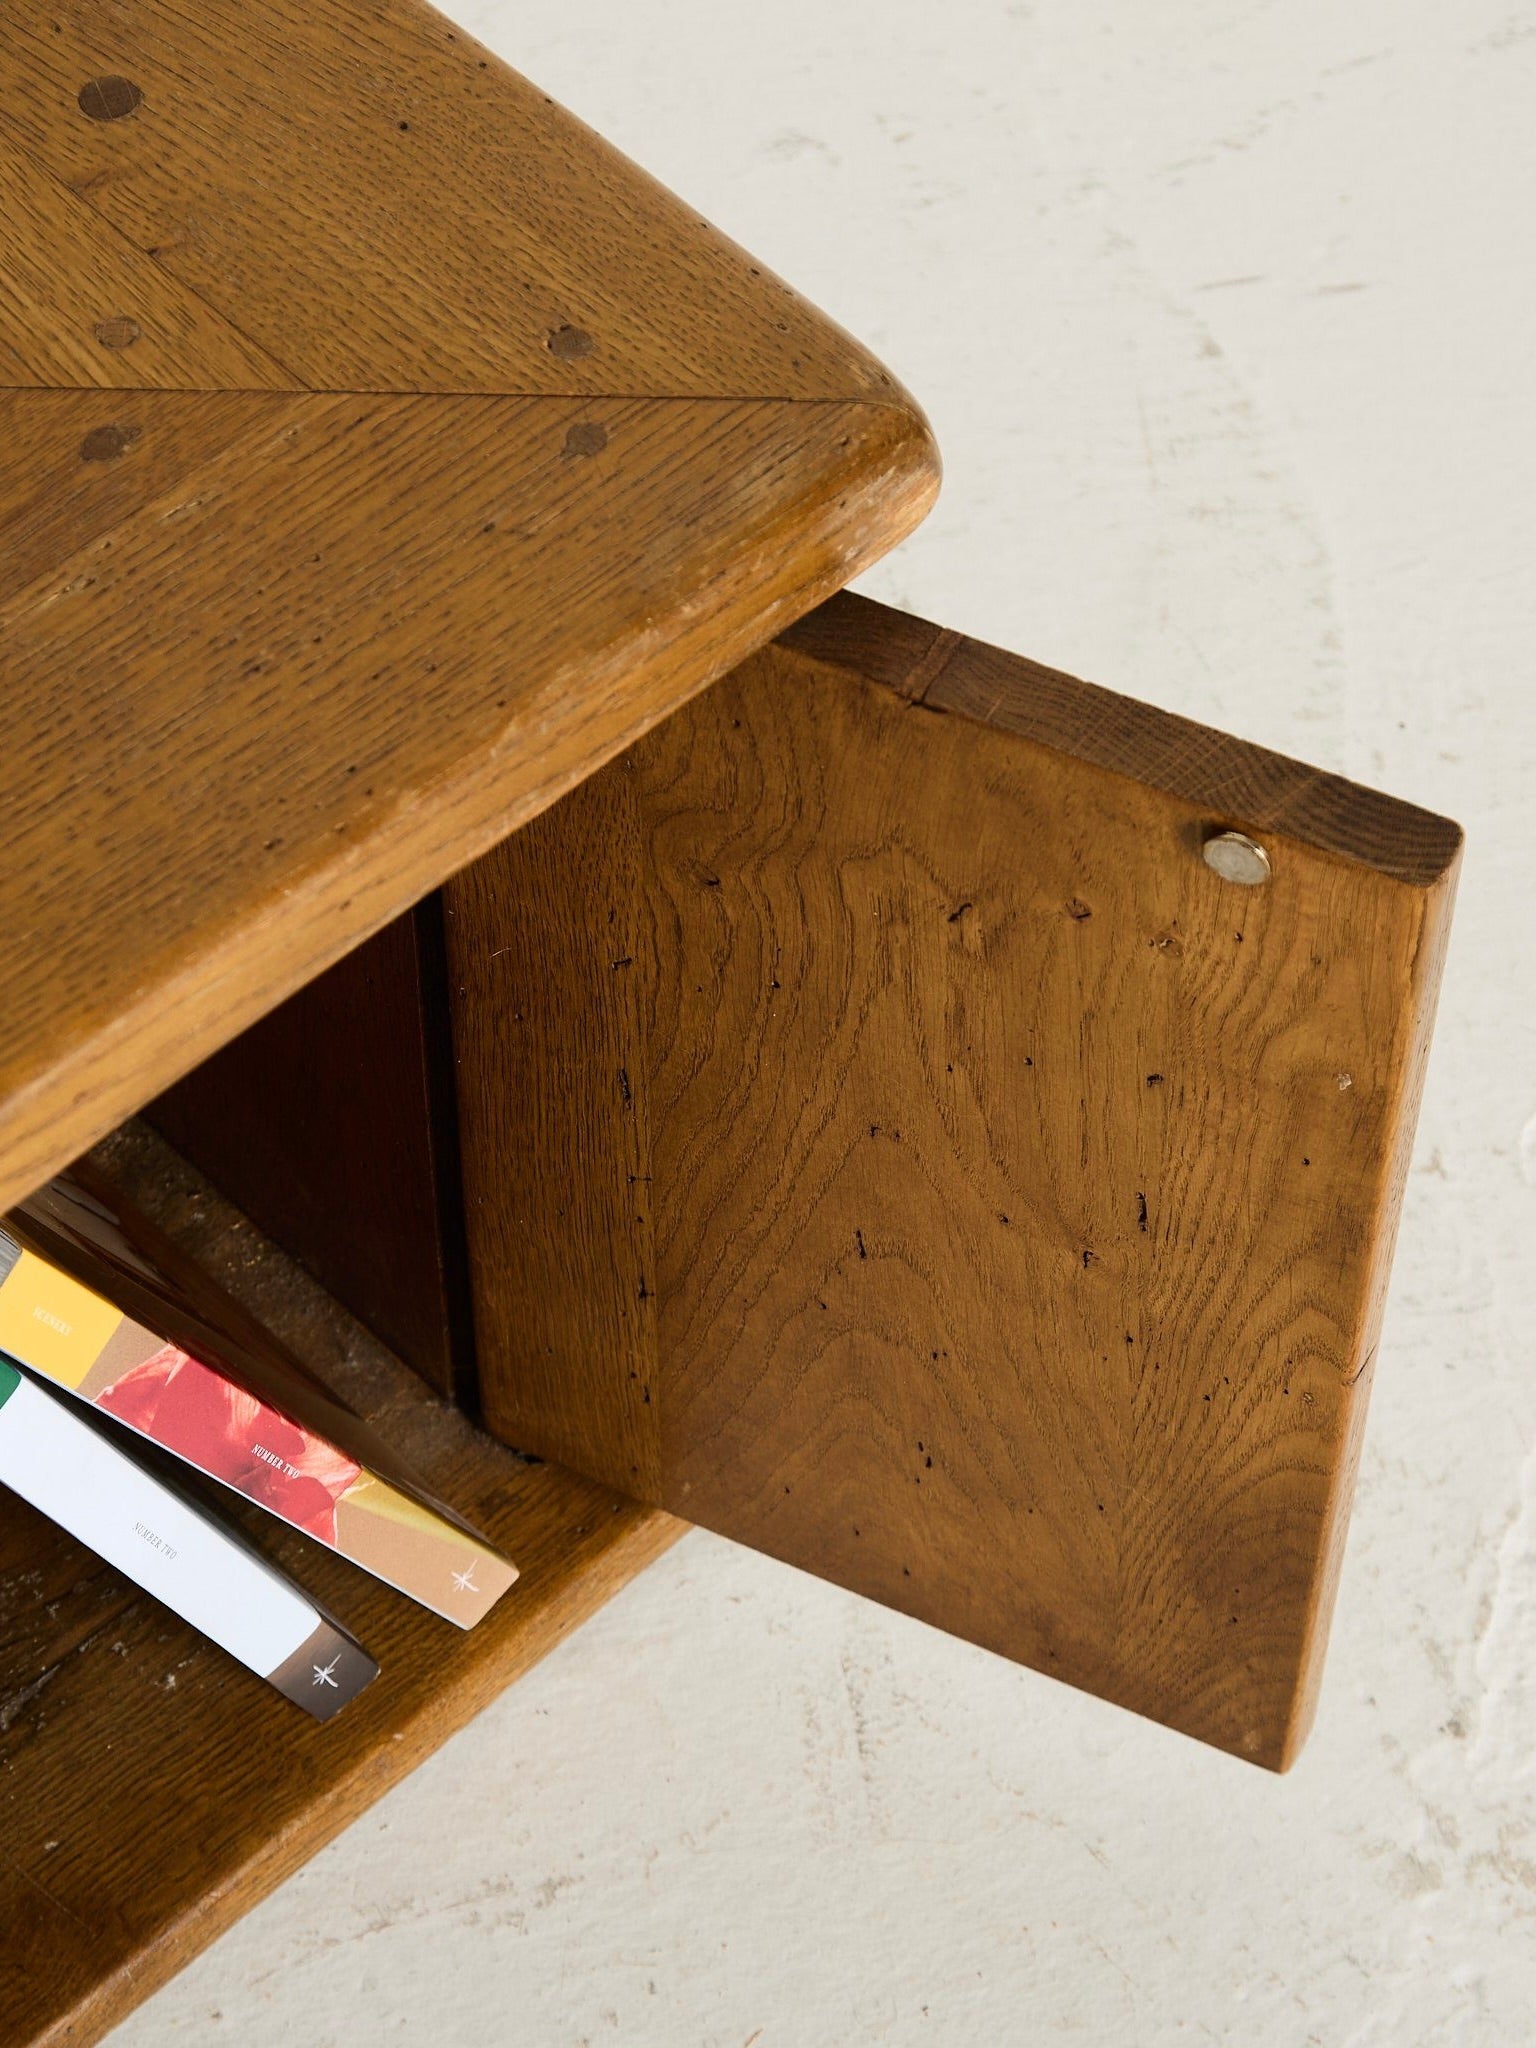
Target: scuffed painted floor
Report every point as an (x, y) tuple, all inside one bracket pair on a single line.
[(1226, 318)]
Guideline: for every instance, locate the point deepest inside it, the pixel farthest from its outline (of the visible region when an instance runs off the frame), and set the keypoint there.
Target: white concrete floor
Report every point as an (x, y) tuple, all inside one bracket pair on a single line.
[(1226, 317)]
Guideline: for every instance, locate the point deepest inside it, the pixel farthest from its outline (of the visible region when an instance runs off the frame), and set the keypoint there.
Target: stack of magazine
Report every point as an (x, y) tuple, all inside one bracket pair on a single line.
[(110, 1337)]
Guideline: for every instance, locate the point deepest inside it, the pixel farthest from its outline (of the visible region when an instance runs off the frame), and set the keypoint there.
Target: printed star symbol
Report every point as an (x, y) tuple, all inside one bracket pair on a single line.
[(464, 1581), (323, 1673)]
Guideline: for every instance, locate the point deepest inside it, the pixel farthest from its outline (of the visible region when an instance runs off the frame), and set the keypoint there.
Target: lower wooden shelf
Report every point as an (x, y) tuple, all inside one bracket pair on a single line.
[(150, 1789)]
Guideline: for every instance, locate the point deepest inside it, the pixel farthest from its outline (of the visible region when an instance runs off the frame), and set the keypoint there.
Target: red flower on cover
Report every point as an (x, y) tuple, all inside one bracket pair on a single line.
[(177, 1401)]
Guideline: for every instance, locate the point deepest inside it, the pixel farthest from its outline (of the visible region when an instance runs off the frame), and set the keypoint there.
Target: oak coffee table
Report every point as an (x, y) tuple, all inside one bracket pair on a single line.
[(707, 1046)]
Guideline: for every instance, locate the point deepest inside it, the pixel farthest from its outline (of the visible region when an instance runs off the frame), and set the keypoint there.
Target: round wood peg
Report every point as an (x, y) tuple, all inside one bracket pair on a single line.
[(118, 332), (568, 343), (109, 99)]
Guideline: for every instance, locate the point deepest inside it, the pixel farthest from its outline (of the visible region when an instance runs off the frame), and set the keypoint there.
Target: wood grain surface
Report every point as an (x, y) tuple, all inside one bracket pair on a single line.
[(82, 305), (378, 203), (151, 1790), (888, 1143), (381, 452), (331, 1124)]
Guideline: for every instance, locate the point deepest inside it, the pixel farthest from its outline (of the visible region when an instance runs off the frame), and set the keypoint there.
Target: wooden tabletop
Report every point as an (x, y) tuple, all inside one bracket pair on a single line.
[(380, 452)]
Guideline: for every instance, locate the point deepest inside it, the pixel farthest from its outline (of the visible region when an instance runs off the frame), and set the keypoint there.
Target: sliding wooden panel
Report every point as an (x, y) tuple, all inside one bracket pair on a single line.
[(889, 1142)]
